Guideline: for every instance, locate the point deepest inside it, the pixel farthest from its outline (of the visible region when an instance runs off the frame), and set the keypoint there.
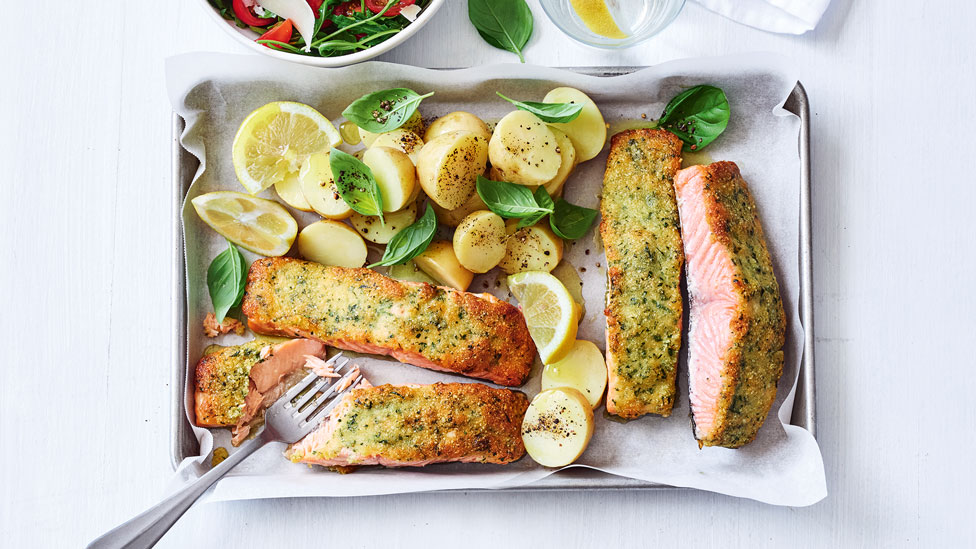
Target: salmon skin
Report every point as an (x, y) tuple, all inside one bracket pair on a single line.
[(232, 385), (475, 335), (639, 228), (737, 324), (416, 425)]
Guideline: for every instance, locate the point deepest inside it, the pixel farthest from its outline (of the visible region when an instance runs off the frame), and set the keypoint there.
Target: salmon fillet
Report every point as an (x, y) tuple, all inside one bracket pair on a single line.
[(476, 335), (644, 258), (737, 324), (416, 425), (234, 384)]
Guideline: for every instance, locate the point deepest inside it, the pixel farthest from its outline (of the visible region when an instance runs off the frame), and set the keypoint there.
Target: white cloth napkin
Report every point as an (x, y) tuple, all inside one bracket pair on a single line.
[(786, 16)]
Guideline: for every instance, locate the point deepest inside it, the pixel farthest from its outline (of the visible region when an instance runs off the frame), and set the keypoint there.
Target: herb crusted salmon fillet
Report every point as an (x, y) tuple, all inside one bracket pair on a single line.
[(644, 258), (475, 335), (416, 425), (737, 323)]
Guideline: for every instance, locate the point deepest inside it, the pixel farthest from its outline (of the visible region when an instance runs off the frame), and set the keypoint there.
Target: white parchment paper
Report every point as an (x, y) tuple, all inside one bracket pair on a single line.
[(783, 466)]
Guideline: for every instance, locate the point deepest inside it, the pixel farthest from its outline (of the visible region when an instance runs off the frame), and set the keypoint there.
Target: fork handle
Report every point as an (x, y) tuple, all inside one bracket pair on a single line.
[(145, 530)]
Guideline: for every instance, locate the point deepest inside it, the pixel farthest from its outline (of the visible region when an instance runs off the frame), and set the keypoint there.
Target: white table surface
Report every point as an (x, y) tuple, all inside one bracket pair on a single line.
[(84, 395)]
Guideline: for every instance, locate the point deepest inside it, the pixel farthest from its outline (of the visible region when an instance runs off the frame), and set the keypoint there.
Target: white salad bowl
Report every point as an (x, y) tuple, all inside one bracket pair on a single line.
[(247, 37)]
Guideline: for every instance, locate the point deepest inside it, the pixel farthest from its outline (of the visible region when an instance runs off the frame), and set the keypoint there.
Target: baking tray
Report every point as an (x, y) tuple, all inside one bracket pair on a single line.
[(183, 443)]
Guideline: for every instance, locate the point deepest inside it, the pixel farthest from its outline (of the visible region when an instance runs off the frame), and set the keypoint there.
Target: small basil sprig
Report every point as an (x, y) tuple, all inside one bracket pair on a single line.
[(356, 184), (570, 221), (226, 279), (384, 110), (505, 24), (510, 200), (552, 113), (697, 116), (544, 201), (411, 241)]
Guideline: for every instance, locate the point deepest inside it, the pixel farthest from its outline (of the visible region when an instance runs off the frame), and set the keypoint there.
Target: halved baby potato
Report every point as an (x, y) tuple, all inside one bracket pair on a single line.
[(289, 190), (319, 188), (479, 241), (534, 248), (567, 152), (588, 131), (371, 229), (557, 427), (409, 272), (452, 218), (583, 369), (331, 242), (394, 173), (458, 120), (439, 261), (414, 124), (448, 167), (402, 140), (523, 150)]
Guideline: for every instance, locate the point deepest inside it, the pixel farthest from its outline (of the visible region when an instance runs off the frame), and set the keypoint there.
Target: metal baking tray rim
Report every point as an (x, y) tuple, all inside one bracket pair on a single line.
[(184, 444)]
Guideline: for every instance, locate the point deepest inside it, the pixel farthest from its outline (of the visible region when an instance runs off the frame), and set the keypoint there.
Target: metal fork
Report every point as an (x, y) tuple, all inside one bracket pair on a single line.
[(289, 419)]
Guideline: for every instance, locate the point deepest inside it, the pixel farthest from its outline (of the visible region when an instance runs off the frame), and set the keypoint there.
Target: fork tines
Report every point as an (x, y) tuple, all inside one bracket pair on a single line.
[(314, 393)]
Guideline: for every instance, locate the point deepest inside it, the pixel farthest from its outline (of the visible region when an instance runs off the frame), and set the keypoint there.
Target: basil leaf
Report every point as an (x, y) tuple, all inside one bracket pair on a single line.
[(226, 278), (385, 110), (505, 24), (552, 113), (570, 221), (543, 200), (356, 184), (411, 241), (508, 199), (697, 115)]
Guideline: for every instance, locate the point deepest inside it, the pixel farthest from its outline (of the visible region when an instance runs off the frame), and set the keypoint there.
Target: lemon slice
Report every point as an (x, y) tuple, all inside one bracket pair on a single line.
[(261, 226), (274, 140), (597, 17), (550, 312)]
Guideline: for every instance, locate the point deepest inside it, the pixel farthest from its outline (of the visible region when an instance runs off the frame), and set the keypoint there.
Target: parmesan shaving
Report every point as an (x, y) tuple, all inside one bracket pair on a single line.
[(411, 12), (299, 12)]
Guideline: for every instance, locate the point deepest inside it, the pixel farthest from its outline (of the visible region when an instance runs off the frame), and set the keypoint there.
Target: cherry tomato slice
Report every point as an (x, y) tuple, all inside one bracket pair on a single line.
[(315, 5), (245, 14), (349, 8), (377, 6), (279, 33)]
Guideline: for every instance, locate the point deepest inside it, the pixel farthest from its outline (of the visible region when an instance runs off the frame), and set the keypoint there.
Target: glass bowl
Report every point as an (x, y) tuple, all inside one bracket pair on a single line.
[(638, 19)]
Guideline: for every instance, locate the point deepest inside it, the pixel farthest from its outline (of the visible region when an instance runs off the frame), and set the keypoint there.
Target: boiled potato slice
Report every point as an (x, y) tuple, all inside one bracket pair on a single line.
[(523, 150), (452, 218), (567, 152), (479, 241), (534, 248), (439, 261), (458, 120), (331, 242), (583, 369), (395, 175), (589, 131), (402, 140), (289, 189), (414, 124), (448, 167), (371, 229), (557, 427), (319, 188), (410, 273)]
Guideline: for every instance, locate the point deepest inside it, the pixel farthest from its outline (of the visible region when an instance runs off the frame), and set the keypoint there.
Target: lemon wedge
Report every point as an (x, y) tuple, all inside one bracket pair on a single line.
[(261, 226), (597, 17), (550, 312), (274, 140)]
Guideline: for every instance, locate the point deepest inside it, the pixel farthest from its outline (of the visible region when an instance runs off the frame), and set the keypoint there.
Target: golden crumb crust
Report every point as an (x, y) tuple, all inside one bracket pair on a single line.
[(641, 234), (754, 363), (419, 425), (222, 380), (475, 335)]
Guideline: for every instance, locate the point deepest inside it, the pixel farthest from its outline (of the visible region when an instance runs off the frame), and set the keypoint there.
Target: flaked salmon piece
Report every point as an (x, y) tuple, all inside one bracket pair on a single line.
[(475, 335), (212, 328), (639, 228), (737, 323), (234, 384), (416, 425)]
